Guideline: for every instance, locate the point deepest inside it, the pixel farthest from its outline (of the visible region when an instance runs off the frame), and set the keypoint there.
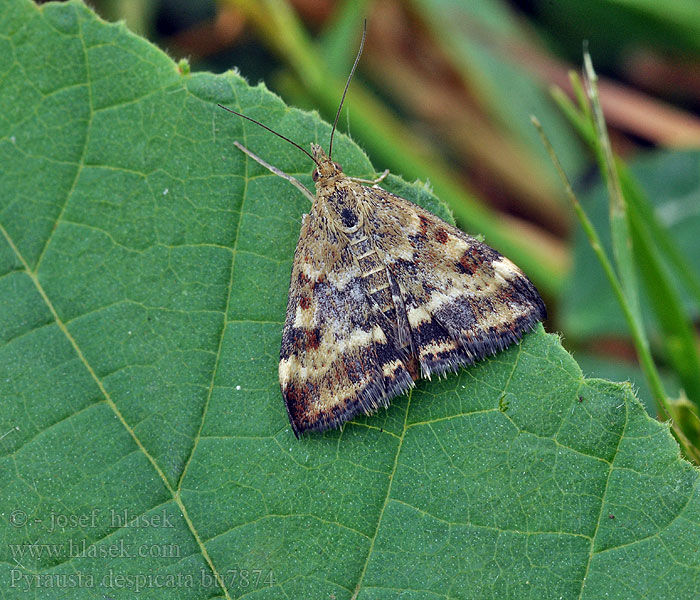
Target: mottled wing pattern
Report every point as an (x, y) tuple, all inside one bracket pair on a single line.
[(338, 356), (463, 300)]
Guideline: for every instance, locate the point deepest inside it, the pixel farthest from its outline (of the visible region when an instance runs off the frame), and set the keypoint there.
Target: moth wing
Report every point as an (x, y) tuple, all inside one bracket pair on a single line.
[(463, 300), (338, 357)]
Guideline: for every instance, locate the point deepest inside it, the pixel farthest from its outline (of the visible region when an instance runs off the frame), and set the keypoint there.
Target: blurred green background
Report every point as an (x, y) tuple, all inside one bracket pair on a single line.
[(444, 93)]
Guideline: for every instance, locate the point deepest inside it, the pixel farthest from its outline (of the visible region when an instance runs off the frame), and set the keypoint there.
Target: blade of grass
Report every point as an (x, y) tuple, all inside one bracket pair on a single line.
[(651, 243), (580, 94), (640, 341), (679, 336), (339, 38), (619, 221), (580, 121)]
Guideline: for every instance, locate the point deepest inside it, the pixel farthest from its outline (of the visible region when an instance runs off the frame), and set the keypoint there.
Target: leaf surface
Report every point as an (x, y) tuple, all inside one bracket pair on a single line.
[(144, 445)]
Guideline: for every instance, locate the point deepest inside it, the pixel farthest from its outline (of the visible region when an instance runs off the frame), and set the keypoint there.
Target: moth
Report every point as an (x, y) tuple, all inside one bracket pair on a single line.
[(383, 292)]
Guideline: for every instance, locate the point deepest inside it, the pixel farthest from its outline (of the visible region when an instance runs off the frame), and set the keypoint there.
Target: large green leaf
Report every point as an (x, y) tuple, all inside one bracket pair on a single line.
[(143, 271)]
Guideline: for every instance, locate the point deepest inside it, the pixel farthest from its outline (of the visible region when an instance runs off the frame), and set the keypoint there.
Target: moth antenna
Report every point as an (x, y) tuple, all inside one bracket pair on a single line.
[(347, 85), (286, 139)]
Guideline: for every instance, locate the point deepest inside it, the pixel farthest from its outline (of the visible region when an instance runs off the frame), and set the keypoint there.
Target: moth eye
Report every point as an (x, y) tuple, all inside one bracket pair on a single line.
[(315, 175), (337, 166)]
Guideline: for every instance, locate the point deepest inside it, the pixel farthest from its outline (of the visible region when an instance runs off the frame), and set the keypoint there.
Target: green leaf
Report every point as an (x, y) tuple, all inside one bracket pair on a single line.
[(144, 263)]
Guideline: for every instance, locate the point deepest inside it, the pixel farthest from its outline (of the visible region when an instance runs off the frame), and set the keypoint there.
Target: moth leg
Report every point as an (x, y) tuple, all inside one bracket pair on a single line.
[(372, 181), (295, 182)]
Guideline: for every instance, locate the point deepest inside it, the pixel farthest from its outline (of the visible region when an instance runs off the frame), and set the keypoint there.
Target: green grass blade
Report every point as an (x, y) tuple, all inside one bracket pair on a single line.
[(339, 40), (576, 117), (679, 338), (619, 222), (635, 234), (640, 340), (640, 241)]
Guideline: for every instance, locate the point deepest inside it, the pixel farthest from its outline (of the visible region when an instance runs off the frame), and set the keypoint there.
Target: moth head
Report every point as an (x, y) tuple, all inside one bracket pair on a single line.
[(325, 167)]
